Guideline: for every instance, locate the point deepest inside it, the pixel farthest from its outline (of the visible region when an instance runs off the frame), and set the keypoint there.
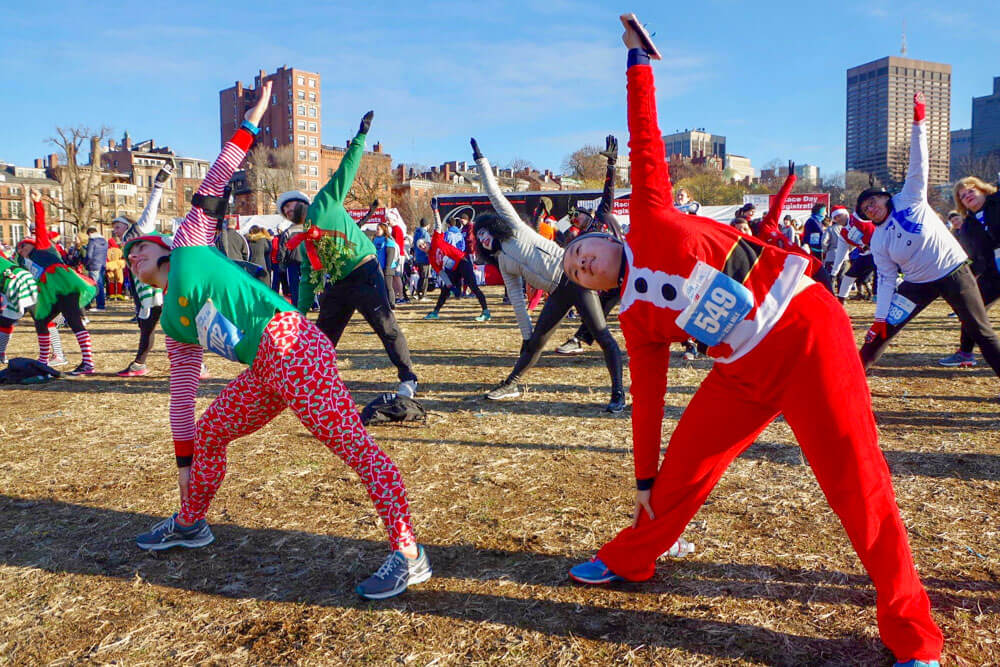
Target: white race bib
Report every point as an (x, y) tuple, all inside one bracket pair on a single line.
[(717, 304), (216, 333)]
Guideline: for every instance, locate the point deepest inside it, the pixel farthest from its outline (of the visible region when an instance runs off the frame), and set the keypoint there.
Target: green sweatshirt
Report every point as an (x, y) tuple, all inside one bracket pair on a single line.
[(349, 244)]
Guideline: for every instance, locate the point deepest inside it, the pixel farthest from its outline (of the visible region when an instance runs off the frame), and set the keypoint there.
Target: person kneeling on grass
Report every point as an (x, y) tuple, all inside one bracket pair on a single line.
[(748, 302), (211, 303)]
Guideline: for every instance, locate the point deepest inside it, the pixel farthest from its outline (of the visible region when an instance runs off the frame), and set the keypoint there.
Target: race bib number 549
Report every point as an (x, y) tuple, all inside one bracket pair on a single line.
[(718, 303)]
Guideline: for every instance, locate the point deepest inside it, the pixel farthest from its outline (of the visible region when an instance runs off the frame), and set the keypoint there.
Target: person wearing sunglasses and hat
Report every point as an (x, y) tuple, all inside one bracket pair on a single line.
[(911, 239), (212, 303)]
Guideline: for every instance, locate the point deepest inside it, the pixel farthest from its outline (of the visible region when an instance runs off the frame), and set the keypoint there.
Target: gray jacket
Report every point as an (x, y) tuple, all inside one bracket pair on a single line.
[(527, 255)]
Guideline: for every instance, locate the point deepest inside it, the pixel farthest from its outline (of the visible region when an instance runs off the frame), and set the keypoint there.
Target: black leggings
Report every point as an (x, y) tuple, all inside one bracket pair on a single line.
[(989, 290), (562, 298), (69, 306), (364, 289), (959, 289), (147, 334), (462, 271), (424, 271), (609, 300)]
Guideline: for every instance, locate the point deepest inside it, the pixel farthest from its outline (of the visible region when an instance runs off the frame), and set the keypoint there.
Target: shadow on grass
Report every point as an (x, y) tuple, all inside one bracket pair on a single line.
[(304, 568)]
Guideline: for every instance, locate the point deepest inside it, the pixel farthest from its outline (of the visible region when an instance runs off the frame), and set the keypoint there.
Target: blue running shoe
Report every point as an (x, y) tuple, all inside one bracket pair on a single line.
[(396, 574), (919, 663), (594, 571), (168, 534), (433, 315)]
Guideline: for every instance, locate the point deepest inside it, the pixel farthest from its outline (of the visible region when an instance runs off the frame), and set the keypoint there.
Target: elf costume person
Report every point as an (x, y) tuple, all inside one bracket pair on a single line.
[(61, 290), (341, 257), (212, 303), (18, 295)]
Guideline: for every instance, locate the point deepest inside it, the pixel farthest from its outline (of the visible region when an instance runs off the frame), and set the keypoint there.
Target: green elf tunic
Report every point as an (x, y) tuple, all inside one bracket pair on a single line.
[(343, 245)]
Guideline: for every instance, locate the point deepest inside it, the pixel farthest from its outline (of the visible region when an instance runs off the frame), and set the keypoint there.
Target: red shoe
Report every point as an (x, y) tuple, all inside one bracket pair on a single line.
[(133, 370)]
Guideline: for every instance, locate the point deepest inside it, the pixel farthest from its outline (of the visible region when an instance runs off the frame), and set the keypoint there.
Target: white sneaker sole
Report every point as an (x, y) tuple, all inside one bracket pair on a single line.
[(189, 544)]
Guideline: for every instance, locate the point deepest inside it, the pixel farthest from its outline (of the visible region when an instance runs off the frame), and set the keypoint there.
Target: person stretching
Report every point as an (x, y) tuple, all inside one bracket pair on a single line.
[(214, 304), (339, 253), (18, 295), (452, 267), (909, 238), (750, 303), (521, 253)]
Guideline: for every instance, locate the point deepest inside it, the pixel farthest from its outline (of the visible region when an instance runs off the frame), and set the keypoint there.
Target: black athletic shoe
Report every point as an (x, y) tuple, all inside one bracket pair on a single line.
[(617, 402)]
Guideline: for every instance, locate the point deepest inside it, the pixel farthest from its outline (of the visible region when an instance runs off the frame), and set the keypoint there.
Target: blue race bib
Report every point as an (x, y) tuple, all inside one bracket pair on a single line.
[(216, 333), (900, 309), (717, 304), (35, 270)]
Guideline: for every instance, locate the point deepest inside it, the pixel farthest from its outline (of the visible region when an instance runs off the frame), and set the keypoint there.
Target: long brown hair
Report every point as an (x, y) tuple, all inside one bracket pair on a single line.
[(967, 183)]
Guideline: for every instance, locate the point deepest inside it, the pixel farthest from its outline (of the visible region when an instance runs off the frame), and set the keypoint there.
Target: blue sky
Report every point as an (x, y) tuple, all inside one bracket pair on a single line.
[(531, 80)]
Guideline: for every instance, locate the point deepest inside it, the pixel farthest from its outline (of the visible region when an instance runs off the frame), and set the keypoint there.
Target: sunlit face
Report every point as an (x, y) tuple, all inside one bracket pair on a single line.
[(118, 229), (580, 220), (683, 197), (876, 208), (294, 210), (143, 257), (840, 218), (485, 239), (423, 245), (972, 199), (743, 227), (25, 249), (955, 221), (594, 262)]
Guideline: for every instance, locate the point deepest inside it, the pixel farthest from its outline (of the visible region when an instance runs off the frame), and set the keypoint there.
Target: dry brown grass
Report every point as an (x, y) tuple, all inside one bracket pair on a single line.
[(506, 496)]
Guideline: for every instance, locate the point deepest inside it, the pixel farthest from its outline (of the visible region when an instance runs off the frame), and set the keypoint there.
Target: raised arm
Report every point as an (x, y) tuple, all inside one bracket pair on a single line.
[(501, 205), (198, 228), (42, 241), (769, 223), (147, 221), (605, 210), (650, 174), (340, 183), (438, 226), (915, 188), (368, 216)]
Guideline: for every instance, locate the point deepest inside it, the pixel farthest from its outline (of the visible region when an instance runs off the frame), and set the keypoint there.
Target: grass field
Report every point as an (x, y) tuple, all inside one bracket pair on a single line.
[(506, 496)]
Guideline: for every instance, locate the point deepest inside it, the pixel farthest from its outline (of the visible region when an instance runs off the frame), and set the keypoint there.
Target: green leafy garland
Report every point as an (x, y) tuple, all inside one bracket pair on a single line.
[(333, 255)]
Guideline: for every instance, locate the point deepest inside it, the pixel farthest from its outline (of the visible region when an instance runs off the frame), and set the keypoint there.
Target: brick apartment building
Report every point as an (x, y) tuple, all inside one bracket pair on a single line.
[(294, 118), (15, 204)]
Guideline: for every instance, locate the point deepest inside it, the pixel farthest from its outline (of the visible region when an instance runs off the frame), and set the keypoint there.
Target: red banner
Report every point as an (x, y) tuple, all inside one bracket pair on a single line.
[(802, 201)]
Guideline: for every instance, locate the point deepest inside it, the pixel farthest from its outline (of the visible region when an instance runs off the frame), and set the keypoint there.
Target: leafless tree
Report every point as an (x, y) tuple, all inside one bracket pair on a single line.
[(270, 171), (519, 163), (81, 202), (586, 164), (370, 183)]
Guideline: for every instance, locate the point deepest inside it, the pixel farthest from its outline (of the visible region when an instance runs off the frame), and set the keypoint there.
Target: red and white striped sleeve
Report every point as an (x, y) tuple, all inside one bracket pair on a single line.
[(185, 369), (198, 228)]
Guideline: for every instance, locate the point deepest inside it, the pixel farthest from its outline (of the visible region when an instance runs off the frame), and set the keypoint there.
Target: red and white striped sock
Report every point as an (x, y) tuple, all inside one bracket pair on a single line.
[(5, 333), (44, 347), (83, 338), (57, 350)]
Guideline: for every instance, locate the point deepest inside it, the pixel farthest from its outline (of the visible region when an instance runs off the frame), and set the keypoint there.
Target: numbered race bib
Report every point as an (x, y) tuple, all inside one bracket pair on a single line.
[(718, 303), (855, 236), (216, 333), (814, 238), (900, 309), (34, 269)]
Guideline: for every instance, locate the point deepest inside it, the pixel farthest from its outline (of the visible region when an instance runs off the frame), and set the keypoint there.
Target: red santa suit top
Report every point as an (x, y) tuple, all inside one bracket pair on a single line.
[(443, 255), (858, 232), (686, 277)]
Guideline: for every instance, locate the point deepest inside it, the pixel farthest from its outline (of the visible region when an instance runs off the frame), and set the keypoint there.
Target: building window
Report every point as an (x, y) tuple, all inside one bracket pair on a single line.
[(302, 184), (267, 130), (312, 127), (312, 141), (302, 169), (302, 126), (300, 80), (312, 97), (314, 156), (315, 185), (301, 110), (302, 140), (274, 100), (17, 210), (301, 94), (188, 193), (312, 112), (312, 83), (289, 80), (289, 109), (290, 124), (275, 142), (302, 155)]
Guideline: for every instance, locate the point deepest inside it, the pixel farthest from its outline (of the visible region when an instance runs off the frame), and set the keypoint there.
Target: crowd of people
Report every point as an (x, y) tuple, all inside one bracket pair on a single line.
[(741, 293)]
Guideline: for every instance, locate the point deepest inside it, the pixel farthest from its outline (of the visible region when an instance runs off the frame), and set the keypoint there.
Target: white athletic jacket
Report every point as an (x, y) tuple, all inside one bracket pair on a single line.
[(913, 240)]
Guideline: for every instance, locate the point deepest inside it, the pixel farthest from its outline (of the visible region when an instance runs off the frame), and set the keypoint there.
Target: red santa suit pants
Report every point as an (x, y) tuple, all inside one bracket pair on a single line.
[(808, 369)]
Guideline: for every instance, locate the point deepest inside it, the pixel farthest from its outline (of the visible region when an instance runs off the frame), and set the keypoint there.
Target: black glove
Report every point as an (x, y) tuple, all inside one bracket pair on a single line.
[(165, 172), (366, 122), (434, 203), (791, 167), (475, 150), (611, 149)]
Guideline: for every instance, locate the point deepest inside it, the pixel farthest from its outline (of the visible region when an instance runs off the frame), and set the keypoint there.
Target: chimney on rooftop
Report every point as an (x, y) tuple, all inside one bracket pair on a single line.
[(377, 148), (53, 160), (38, 163)]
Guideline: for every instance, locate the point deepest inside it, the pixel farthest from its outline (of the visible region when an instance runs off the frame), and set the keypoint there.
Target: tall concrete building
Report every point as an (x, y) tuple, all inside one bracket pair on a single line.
[(880, 116), (986, 123), (696, 144), (293, 118)]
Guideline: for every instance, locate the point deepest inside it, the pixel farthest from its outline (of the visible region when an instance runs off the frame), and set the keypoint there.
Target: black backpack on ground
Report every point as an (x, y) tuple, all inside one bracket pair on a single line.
[(389, 407), (27, 371)]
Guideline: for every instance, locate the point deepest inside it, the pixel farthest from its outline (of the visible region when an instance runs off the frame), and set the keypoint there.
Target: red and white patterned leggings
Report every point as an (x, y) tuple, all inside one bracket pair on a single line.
[(295, 368)]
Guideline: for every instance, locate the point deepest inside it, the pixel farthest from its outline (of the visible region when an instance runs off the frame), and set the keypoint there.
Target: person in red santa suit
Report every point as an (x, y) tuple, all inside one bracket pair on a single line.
[(452, 267), (749, 303)]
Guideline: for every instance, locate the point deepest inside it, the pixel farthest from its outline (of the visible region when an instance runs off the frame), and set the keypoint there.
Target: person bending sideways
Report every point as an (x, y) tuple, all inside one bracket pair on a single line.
[(909, 238), (212, 303), (749, 302)]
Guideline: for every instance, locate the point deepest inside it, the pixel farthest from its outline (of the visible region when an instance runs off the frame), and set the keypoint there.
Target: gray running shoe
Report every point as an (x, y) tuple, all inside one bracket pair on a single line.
[(572, 346), (396, 574), (504, 390), (168, 534), (407, 388), (959, 359)]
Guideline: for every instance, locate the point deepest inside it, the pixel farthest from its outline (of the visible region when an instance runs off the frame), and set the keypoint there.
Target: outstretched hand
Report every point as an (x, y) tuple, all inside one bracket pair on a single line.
[(475, 149), (610, 148), (366, 122), (791, 167), (642, 503), (919, 107), (255, 113)]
